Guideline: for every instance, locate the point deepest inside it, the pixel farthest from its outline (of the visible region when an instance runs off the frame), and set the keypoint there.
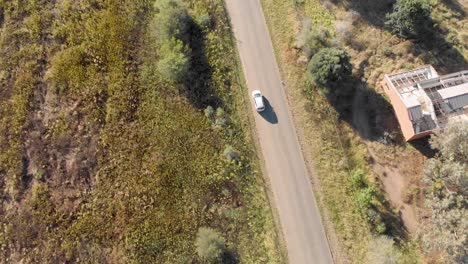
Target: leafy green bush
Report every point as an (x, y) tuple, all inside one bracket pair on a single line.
[(364, 199), (358, 179), (69, 68), (298, 2), (171, 19), (210, 245), (173, 64), (209, 112), (329, 67), (230, 153), (410, 18), (205, 21), (221, 118)]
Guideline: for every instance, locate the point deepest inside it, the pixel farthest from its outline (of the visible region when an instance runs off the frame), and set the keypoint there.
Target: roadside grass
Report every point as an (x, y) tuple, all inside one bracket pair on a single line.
[(123, 166), (322, 131)]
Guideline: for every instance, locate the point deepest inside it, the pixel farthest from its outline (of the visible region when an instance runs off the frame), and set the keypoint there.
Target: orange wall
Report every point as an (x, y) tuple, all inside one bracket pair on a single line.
[(401, 112)]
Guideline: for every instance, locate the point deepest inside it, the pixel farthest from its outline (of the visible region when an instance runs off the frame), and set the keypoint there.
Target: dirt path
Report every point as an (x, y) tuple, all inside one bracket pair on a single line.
[(395, 186), (394, 183)]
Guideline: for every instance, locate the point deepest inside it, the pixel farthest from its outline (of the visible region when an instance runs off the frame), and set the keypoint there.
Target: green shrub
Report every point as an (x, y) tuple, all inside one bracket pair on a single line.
[(381, 228), (69, 68), (221, 118), (358, 179), (210, 245), (298, 2), (410, 18), (205, 21), (171, 19), (329, 67), (209, 112), (387, 51), (230, 153), (311, 39), (173, 64), (364, 199)]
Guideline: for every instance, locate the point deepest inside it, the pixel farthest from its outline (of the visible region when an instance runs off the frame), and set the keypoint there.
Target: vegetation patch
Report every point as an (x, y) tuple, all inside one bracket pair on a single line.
[(106, 152)]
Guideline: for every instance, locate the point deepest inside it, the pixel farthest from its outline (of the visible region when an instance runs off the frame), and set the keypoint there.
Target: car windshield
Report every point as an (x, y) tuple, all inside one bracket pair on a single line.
[(257, 95)]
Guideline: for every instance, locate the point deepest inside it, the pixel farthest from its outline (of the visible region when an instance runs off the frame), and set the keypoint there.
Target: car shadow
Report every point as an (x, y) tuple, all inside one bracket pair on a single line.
[(269, 113)]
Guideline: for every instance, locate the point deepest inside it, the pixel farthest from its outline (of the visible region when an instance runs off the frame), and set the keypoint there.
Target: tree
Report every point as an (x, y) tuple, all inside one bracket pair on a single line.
[(452, 142), (410, 18), (173, 64), (446, 179), (383, 251), (210, 245), (171, 19), (329, 66)]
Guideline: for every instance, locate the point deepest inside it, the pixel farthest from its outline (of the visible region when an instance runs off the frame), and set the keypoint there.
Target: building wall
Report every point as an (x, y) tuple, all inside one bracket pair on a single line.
[(401, 112), (420, 135)]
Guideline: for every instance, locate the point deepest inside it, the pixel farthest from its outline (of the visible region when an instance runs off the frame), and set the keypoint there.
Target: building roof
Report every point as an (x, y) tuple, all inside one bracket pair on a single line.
[(430, 99), (454, 91)]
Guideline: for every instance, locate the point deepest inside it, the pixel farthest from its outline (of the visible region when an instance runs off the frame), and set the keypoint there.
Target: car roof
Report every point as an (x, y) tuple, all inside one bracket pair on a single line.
[(259, 102)]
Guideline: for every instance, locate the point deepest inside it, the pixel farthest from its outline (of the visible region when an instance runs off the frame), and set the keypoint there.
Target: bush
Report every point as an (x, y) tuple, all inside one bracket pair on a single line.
[(381, 228), (171, 19), (298, 2), (220, 112), (205, 21), (209, 112), (452, 142), (230, 153), (358, 179), (329, 67), (446, 178), (210, 245), (410, 18), (344, 30), (365, 199), (311, 39), (383, 251), (173, 64), (221, 118)]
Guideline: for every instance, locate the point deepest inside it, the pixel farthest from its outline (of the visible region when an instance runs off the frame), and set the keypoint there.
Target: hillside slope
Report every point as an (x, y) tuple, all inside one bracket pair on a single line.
[(105, 159)]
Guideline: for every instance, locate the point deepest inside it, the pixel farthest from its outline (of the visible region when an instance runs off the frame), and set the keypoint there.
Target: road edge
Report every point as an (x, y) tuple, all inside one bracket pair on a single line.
[(330, 232), (280, 240)]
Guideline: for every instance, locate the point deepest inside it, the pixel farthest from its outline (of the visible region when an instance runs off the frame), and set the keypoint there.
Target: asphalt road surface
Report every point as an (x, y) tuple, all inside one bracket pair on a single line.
[(299, 216)]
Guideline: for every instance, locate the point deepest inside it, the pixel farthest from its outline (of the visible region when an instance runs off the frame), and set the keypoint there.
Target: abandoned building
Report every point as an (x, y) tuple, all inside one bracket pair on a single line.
[(424, 101)]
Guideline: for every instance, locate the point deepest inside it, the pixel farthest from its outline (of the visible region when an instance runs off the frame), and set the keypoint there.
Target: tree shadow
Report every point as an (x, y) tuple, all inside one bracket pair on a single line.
[(372, 115), (198, 82), (432, 45), (456, 7), (365, 110), (395, 227), (439, 53), (230, 257), (269, 113), (424, 147)]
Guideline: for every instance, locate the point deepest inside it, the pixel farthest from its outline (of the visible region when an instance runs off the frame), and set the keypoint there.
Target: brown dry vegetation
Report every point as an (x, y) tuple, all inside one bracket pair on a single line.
[(365, 137), (101, 159)]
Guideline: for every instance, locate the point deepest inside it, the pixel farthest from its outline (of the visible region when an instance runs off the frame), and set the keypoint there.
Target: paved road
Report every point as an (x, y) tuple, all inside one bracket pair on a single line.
[(299, 216)]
